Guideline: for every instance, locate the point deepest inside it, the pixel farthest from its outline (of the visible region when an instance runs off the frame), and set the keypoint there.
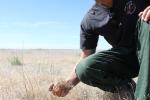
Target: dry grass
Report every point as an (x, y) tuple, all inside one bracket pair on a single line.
[(30, 79)]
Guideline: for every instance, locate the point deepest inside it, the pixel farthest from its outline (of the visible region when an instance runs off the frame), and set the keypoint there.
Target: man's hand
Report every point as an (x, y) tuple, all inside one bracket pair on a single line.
[(145, 15), (61, 89)]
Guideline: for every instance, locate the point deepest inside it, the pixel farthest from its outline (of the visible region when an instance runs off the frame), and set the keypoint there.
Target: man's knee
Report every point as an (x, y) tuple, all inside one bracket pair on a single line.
[(82, 71)]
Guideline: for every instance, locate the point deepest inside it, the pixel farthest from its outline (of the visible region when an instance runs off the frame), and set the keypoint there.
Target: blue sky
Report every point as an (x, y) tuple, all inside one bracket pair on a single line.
[(47, 24)]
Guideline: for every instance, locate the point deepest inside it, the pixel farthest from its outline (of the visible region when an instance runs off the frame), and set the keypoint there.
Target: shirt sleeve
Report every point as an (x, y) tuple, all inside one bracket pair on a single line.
[(97, 17), (88, 39)]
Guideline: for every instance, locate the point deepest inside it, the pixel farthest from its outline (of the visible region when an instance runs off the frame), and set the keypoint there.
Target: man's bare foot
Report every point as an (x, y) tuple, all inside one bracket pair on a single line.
[(60, 89)]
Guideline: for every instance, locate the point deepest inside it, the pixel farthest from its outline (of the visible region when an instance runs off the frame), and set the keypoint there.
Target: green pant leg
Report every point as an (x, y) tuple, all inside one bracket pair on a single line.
[(143, 51), (108, 69)]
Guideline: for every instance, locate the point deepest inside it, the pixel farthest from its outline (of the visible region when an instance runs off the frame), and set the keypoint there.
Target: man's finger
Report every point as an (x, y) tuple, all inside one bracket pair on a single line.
[(147, 17), (54, 93), (51, 87), (140, 14), (145, 12)]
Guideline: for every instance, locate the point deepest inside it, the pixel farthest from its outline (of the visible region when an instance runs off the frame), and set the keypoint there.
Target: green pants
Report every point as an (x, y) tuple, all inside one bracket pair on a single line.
[(108, 69), (143, 51)]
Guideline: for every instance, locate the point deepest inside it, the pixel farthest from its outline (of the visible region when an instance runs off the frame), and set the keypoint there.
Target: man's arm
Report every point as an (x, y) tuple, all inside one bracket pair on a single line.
[(85, 53), (62, 89), (73, 77)]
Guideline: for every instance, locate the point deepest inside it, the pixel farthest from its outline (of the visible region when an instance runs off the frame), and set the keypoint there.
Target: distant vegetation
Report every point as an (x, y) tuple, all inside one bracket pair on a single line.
[(15, 61)]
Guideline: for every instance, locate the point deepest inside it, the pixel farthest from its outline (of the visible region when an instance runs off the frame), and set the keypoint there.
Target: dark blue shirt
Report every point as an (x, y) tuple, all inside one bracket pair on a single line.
[(116, 24)]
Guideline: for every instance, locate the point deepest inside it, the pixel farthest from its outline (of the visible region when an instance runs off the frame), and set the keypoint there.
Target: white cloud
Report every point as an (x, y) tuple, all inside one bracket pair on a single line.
[(32, 24)]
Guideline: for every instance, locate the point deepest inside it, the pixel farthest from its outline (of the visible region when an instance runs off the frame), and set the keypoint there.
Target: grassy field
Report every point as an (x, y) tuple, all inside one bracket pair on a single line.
[(26, 75)]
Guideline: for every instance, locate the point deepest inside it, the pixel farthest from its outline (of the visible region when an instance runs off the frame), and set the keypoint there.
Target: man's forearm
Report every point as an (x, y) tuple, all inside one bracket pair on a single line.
[(73, 79)]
